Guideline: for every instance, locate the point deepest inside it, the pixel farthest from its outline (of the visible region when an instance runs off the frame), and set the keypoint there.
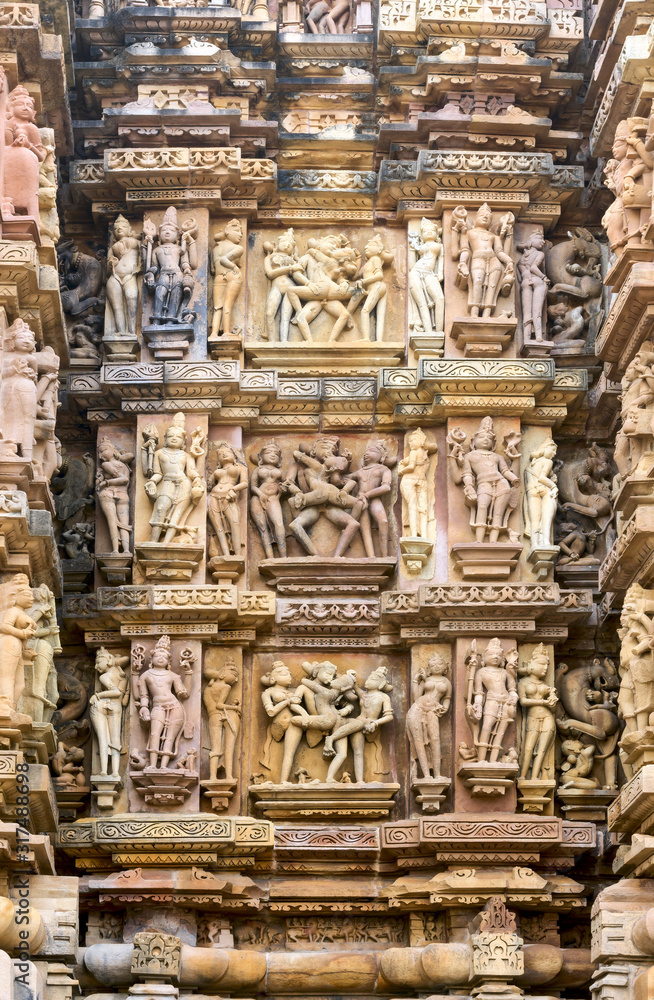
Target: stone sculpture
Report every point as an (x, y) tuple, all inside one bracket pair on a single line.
[(588, 710), (635, 439), (224, 717), (283, 270), (81, 279), (538, 727), (112, 490), (23, 154), (629, 176), (539, 506), (226, 483), (160, 693), (18, 388), (412, 471), (373, 481), (16, 628), (48, 184), (574, 268), (46, 457), (490, 486), (40, 694), (317, 484), (319, 706), (174, 479), (491, 697), (374, 287), (168, 267), (432, 692), (533, 286), (485, 266), (124, 264), (330, 17), (107, 709), (427, 302), (266, 499), (227, 277)]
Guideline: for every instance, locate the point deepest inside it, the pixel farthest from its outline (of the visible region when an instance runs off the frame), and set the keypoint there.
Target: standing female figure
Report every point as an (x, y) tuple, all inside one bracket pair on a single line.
[(537, 700), (423, 718), (107, 708), (112, 489), (414, 488), (540, 496), (265, 499), (533, 286), (229, 478), (16, 627), (279, 703), (123, 268), (427, 303)]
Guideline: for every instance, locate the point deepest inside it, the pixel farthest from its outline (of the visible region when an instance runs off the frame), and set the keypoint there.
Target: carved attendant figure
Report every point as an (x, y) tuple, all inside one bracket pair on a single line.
[(123, 269), (278, 701), (18, 394), (372, 281), (265, 499), (174, 482), (228, 480), (427, 303), (160, 693), (434, 692), (227, 276), (376, 710), (107, 706), (533, 286), (23, 154), (40, 694), (485, 266), (224, 716), (374, 480), (537, 700), (540, 494), (284, 271), (112, 490), (414, 488), (16, 627)]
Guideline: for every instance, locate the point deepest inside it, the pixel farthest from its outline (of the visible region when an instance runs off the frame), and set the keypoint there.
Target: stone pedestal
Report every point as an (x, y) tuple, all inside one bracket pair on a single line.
[(219, 791), (106, 789), (430, 792), (586, 803), (325, 570), (168, 563), (416, 553), (162, 787), (116, 568), (535, 795), (483, 338), (121, 349), (542, 558), (486, 560), (226, 569), (168, 342), (487, 778), (317, 801)]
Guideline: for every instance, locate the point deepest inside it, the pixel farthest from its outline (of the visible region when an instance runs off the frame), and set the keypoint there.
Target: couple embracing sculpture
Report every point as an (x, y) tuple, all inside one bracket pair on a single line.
[(322, 705)]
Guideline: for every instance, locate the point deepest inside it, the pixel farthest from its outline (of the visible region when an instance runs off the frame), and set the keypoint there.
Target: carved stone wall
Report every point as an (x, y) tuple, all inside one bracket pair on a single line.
[(326, 458)]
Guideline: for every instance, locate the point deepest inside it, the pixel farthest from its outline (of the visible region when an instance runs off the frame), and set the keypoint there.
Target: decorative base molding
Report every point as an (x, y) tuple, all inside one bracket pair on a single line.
[(168, 563), (536, 349), (483, 338), (416, 553), (325, 800), (226, 346), (487, 778), (430, 792), (486, 560), (219, 791), (535, 796)]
